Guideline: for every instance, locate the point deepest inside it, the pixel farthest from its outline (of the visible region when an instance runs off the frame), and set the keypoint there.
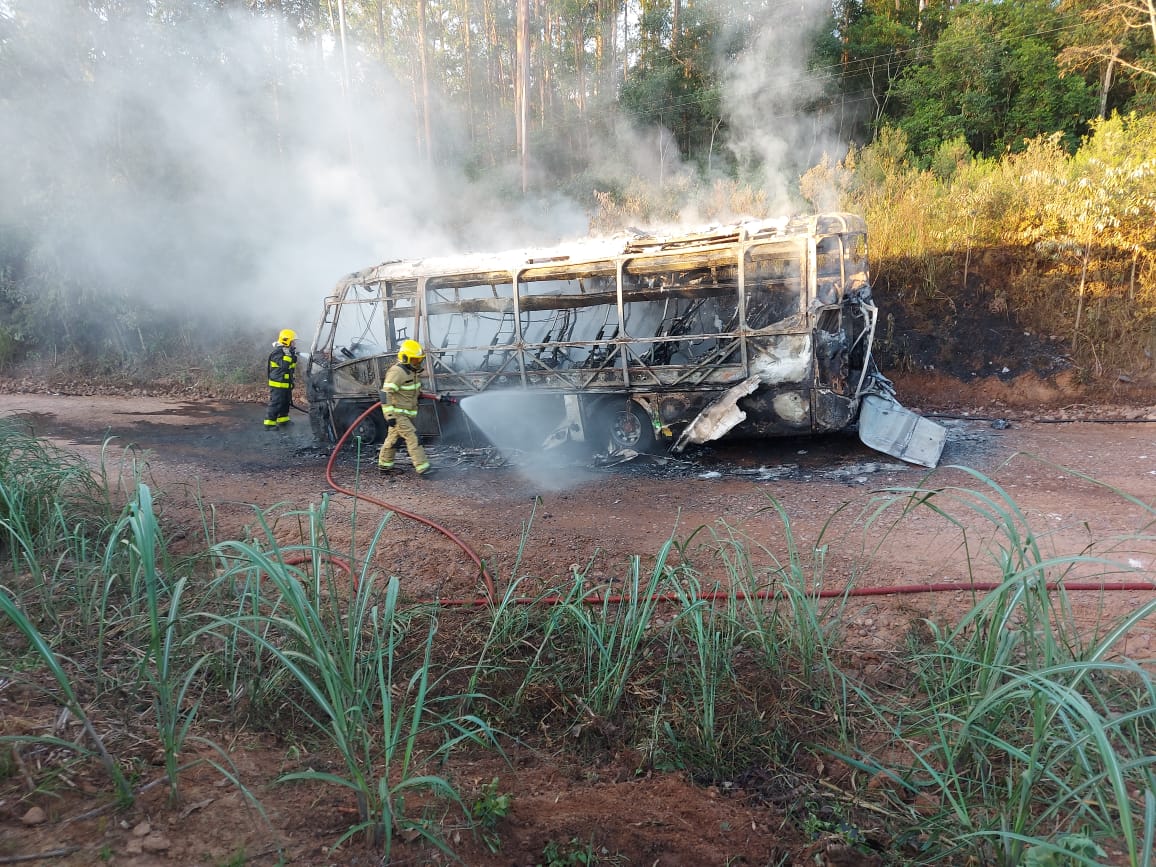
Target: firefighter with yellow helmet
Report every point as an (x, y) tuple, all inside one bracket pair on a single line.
[(282, 369), (399, 394)]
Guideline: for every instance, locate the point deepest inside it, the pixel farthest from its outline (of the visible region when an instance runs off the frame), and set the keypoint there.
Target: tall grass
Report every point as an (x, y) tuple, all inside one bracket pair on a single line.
[(1066, 233), (611, 635), (346, 650), (767, 608), (169, 668), (68, 695), (1025, 731), (61, 515), (51, 505), (703, 641), (794, 629)]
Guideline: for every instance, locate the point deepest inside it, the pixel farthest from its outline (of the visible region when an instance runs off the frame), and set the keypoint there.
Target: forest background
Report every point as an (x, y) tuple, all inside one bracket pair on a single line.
[(182, 178)]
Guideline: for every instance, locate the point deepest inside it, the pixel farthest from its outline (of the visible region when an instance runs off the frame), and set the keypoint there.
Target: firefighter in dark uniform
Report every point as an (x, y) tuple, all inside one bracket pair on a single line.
[(282, 368), (399, 394)]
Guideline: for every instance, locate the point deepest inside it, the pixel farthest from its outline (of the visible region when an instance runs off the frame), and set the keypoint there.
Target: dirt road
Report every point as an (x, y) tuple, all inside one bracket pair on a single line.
[(1076, 484)]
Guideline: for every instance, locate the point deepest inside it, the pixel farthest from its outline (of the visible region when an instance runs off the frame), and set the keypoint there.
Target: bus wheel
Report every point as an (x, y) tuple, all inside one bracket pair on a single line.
[(371, 429), (627, 426)]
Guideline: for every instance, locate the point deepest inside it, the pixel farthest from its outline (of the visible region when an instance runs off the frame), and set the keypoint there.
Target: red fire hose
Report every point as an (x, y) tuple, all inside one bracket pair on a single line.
[(596, 599), (483, 573)]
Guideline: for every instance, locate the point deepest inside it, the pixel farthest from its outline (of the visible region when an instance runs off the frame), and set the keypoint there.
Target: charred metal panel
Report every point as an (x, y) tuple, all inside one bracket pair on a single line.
[(774, 400), (832, 411), (778, 412), (890, 428), (719, 418)]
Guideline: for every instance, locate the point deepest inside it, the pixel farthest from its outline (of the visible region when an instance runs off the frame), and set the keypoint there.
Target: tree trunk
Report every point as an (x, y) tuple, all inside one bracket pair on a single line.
[(423, 54), (625, 45), (318, 42), (608, 57), (379, 27), (580, 71), (522, 85), (494, 78), (468, 71), (1106, 83), (601, 44), (275, 84), (345, 83), (550, 37)]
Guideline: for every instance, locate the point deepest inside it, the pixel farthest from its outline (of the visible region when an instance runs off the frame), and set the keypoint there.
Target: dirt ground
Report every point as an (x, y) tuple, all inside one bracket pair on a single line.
[(1081, 476)]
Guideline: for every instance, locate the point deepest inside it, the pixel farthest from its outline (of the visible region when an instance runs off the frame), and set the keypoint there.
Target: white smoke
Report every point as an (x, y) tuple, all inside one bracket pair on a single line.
[(765, 89), (214, 162), (517, 424), (218, 161)]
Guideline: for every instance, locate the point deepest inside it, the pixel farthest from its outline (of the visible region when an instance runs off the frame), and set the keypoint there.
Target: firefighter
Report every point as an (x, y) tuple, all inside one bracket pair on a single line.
[(399, 394), (282, 368)]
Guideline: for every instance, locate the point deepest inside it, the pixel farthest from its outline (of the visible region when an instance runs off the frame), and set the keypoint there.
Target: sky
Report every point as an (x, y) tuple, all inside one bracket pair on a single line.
[(180, 164)]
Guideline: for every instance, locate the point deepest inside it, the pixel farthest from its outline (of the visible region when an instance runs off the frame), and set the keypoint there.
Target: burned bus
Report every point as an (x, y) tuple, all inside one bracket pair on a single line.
[(757, 329)]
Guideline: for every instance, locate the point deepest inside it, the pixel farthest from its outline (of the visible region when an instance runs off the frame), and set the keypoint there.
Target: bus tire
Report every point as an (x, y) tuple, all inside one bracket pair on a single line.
[(625, 425)]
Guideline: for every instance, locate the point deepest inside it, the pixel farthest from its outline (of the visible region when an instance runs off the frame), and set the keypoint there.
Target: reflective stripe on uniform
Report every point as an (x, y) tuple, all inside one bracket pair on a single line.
[(273, 384), (399, 410)]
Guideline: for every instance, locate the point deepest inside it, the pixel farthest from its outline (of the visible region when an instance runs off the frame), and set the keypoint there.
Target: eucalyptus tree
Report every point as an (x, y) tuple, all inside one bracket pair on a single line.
[(675, 84), (865, 48)]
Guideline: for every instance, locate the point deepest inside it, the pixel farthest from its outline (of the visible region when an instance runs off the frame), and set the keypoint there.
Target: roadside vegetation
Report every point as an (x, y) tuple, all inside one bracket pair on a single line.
[(1057, 242), (1012, 735)]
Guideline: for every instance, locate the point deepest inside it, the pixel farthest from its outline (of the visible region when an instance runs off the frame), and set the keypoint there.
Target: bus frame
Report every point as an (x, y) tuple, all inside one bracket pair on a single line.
[(762, 328)]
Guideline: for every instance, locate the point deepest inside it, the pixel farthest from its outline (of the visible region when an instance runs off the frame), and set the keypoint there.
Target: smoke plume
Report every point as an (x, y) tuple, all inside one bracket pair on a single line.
[(206, 161)]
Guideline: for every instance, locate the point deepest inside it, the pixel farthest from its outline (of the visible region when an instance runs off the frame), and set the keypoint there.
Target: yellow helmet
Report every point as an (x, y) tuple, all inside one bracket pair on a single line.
[(286, 336), (410, 352)]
